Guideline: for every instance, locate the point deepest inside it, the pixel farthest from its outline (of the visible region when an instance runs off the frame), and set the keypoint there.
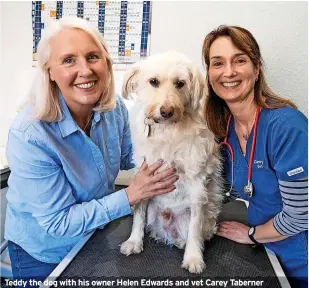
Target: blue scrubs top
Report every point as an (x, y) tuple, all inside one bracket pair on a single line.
[(281, 153)]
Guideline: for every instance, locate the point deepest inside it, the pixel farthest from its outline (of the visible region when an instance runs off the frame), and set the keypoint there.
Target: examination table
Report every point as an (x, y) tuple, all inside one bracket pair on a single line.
[(98, 257)]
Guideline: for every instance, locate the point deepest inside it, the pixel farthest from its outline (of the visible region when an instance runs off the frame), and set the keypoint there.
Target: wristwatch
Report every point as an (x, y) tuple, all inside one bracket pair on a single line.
[(251, 234)]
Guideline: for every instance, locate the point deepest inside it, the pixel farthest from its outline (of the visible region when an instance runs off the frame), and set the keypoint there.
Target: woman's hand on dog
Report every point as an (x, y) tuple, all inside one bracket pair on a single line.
[(234, 231), (147, 183)]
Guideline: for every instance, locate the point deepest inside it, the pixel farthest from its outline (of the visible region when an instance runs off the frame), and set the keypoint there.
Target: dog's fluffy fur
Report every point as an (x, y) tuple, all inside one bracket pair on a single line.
[(187, 216)]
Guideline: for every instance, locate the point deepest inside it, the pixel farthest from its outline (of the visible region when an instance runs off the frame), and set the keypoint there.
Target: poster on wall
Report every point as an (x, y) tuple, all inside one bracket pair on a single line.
[(125, 25)]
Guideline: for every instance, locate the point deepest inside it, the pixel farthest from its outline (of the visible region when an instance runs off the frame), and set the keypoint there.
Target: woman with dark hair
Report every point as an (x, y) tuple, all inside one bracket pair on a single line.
[(265, 149)]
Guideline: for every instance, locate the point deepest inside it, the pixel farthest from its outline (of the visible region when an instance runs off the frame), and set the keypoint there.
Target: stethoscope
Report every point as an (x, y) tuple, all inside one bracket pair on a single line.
[(248, 189)]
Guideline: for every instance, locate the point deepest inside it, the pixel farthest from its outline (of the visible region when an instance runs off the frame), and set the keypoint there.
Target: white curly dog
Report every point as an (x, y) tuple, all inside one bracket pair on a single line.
[(167, 123)]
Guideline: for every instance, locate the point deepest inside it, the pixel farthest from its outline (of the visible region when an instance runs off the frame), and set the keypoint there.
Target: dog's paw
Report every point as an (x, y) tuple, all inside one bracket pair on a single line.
[(131, 247), (193, 264)]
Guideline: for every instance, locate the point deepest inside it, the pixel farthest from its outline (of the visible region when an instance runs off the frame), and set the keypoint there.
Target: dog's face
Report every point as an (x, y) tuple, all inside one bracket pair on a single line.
[(168, 85)]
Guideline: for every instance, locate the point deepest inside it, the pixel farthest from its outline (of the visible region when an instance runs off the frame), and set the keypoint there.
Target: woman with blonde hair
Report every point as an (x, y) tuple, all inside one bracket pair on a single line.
[(65, 149), (265, 149)]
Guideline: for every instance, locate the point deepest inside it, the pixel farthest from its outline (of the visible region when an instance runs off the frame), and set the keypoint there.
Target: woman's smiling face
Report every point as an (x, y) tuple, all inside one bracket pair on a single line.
[(78, 66), (231, 72)]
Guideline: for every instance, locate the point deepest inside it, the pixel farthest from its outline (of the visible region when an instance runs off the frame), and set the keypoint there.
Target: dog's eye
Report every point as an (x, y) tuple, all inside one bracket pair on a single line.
[(154, 82), (179, 84)]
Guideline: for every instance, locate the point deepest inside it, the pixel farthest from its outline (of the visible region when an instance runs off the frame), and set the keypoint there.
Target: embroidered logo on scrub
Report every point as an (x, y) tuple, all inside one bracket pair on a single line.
[(259, 163), (295, 171)]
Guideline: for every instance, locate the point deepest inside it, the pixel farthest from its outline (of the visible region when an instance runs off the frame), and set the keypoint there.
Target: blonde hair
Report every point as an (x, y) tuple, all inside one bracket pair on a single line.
[(44, 92), (216, 110)]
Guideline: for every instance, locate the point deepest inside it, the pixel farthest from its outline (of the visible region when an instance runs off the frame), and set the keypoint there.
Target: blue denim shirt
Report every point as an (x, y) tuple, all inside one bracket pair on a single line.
[(61, 185)]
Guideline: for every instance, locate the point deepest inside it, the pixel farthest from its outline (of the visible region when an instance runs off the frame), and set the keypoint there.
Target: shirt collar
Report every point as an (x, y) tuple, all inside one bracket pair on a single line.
[(67, 124), (97, 116)]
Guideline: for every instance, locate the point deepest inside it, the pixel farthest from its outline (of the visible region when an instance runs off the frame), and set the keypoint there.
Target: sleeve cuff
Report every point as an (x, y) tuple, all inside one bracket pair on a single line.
[(280, 228), (276, 226), (117, 204)]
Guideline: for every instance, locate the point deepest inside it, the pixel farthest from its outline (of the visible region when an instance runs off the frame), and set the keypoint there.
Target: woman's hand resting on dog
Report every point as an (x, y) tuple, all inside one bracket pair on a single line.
[(147, 184), (234, 231)]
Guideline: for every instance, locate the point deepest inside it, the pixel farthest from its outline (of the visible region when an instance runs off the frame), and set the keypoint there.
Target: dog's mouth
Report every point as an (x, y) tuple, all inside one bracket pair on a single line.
[(152, 120), (161, 120)]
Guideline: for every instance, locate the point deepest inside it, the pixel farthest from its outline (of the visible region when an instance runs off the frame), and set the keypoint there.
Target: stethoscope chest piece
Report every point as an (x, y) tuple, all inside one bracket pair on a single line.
[(248, 189)]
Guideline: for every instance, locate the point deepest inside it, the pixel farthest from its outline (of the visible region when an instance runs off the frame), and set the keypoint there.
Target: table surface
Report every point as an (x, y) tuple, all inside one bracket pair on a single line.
[(100, 257)]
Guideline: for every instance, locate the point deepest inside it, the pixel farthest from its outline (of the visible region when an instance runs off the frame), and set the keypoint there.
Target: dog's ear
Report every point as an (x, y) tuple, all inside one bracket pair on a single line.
[(130, 82), (198, 88)]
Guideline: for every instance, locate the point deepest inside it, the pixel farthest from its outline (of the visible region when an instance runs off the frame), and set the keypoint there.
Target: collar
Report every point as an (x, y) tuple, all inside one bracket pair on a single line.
[(96, 116), (67, 124)]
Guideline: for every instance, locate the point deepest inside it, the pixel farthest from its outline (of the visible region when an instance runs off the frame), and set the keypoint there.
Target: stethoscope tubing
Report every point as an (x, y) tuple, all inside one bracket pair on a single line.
[(253, 144)]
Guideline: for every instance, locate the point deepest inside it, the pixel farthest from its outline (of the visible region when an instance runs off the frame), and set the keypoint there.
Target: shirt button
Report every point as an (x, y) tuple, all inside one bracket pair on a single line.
[(102, 166), (105, 185)]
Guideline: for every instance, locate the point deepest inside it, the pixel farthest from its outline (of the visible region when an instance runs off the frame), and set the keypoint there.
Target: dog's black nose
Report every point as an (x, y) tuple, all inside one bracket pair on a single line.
[(167, 111)]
